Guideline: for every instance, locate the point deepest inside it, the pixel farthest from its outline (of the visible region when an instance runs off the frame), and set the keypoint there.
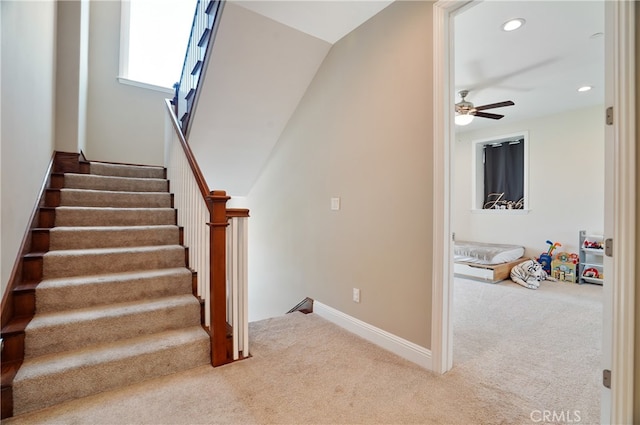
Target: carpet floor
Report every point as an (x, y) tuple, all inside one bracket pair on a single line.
[(518, 353), (115, 303)]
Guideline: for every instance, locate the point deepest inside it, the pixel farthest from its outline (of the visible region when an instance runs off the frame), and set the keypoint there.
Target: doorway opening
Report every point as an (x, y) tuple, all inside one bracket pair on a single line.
[(619, 211), (549, 337)]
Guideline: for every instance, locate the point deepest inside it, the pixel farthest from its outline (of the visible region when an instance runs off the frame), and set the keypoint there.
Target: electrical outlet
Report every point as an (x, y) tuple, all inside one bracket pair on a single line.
[(356, 295), (335, 204)]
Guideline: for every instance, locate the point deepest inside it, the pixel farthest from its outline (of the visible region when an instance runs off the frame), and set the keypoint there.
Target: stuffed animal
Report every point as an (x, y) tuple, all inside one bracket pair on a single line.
[(529, 274)]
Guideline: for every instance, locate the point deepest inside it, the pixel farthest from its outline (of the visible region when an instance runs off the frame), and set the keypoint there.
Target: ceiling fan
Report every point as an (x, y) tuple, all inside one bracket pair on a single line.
[(465, 111)]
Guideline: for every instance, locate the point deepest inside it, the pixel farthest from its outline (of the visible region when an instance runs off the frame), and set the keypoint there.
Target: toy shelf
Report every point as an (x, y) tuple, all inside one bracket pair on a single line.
[(594, 251), (591, 269), (593, 280)]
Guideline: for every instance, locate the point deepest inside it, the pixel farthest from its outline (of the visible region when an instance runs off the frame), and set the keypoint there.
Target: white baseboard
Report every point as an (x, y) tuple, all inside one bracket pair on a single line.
[(388, 341)]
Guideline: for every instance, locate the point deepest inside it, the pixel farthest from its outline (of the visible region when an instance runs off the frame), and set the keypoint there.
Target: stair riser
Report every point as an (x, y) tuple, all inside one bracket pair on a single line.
[(68, 216), (42, 339), (88, 379), (94, 198), (93, 182), (117, 170), (58, 264), (110, 238), (110, 291)]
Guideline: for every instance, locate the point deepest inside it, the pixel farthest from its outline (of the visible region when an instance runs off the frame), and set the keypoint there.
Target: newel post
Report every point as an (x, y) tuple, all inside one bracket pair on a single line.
[(217, 201)]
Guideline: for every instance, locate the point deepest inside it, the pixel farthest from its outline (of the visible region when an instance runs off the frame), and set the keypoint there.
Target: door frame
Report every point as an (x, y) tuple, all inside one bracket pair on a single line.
[(622, 31)]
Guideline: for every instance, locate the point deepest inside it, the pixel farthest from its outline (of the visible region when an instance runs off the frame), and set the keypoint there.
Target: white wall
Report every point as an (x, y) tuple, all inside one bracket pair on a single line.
[(27, 123), (566, 183), (71, 75), (363, 133), (258, 72), (124, 123)]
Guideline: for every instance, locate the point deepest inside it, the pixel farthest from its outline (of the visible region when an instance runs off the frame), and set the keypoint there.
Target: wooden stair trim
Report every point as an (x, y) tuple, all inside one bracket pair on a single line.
[(15, 277), (18, 300), (46, 217), (237, 212), (57, 181), (9, 371), (52, 197), (40, 239)]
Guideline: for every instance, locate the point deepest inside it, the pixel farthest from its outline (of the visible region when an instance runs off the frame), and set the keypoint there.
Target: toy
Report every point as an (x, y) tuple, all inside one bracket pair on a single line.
[(593, 244), (545, 258), (564, 267), (591, 272), (553, 246), (529, 274)]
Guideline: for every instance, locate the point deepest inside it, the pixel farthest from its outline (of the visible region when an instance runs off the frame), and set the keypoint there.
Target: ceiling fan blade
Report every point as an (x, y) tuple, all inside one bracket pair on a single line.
[(494, 105), (488, 115)]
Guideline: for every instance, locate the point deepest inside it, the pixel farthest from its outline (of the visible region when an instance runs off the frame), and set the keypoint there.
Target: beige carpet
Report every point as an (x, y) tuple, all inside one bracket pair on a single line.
[(517, 352), (115, 305), (542, 346)]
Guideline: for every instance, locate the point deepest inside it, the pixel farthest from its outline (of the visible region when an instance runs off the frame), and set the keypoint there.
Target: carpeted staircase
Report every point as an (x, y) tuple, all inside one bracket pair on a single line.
[(115, 305)]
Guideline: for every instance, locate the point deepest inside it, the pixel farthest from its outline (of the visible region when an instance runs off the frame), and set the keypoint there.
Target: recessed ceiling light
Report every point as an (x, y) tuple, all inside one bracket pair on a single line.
[(584, 88), (513, 24)]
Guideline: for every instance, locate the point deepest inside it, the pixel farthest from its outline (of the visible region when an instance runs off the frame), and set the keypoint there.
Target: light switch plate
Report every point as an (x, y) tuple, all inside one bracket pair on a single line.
[(335, 204)]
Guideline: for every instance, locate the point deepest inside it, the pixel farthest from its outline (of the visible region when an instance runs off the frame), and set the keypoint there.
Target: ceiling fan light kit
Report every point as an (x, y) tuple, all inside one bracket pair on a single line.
[(463, 119), (465, 111)]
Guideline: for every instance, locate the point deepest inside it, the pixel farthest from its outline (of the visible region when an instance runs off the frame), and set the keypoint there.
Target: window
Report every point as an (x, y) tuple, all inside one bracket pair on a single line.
[(501, 173), (153, 41)]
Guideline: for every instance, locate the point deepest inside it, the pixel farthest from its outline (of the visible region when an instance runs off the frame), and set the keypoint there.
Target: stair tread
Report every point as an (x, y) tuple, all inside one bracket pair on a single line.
[(109, 311), (108, 168), (112, 192), (101, 197), (110, 228), (121, 165), (69, 207), (92, 261), (71, 216), (101, 353), (87, 237), (112, 250), (99, 176), (70, 293), (110, 277), (115, 183)]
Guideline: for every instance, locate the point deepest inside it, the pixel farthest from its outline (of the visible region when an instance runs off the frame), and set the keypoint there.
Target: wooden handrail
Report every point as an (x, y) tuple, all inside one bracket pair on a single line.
[(237, 212), (193, 164)]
